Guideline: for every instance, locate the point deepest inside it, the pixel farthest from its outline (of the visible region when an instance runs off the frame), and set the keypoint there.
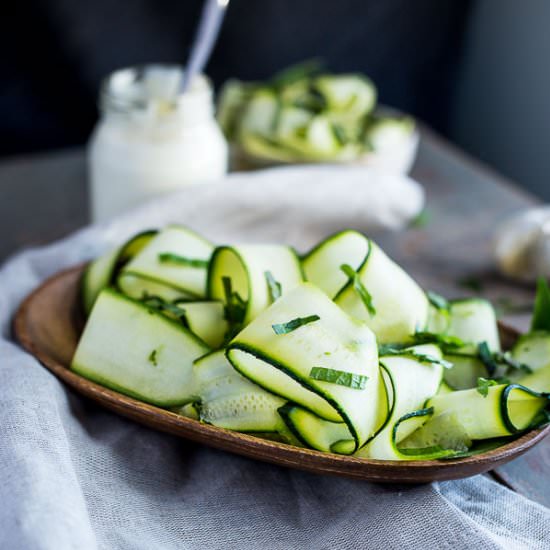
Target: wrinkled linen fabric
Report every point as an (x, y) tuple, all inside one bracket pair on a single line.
[(75, 476)]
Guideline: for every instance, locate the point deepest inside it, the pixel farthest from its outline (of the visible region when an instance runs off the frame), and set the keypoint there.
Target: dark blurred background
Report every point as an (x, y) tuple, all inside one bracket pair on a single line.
[(472, 69)]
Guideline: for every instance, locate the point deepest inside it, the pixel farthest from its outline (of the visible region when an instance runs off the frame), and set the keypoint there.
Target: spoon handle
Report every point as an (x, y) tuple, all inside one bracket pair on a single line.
[(209, 27)]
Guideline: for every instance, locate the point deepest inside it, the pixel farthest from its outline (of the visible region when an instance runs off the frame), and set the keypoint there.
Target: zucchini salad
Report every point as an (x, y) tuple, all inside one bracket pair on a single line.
[(302, 115), (338, 350)]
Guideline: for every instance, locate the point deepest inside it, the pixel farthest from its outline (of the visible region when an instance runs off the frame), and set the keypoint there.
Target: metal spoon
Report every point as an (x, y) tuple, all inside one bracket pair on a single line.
[(207, 33)]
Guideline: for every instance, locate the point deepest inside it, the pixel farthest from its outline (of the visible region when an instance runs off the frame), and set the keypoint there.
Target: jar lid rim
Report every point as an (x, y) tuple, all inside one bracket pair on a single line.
[(123, 89)]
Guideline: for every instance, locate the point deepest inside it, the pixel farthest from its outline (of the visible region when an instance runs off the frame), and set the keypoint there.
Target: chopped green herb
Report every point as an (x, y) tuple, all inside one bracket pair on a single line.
[(483, 385), (340, 377), (487, 358), (153, 358), (401, 349), (445, 342), (421, 220), (274, 287), (169, 258), (285, 328), (471, 283), (296, 72), (391, 349), (235, 308), (541, 311), (438, 301), (363, 293), (158, 304), (506, 358)]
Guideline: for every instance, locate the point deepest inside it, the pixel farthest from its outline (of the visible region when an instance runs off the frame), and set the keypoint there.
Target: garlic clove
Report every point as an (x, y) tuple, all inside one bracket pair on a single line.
[(522, 245)]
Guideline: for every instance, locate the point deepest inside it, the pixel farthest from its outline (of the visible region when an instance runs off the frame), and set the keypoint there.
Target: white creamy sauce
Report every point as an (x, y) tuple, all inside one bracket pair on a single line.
[(152, 140)]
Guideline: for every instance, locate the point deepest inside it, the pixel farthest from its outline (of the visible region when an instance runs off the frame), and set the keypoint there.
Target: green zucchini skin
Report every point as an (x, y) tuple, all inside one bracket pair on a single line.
[(246, 266), (282, 363), (401, 306), (147, 275), (322, 263), (492, 415), (403, 374), (135, 350), (102, 272), (316, 433)]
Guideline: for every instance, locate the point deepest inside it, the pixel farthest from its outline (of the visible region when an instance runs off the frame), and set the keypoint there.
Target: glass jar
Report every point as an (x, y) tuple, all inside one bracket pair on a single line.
[(151, 139)]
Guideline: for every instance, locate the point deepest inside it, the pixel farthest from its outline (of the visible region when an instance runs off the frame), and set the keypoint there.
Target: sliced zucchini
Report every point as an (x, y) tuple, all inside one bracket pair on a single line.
[(538, 380), (411, 382), (503, 411), (130, 348), (317, 433), (533, 350), (321, 141), (438, 319), (322, 263), (189, 410), (399, 305), (248, 270), (96, 277), (351, 93), (444, 388), (301, 336), (266, 149), (233, 97), (101, 273), (172, 266), (207, 321), (260, 114), (324, 435), (387, 133), (465, 371), (473, 320), (291, 124), (441, 436), (229, 400)]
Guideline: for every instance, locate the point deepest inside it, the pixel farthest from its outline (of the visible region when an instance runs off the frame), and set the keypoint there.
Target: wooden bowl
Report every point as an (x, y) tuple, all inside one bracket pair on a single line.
[(48, 325)]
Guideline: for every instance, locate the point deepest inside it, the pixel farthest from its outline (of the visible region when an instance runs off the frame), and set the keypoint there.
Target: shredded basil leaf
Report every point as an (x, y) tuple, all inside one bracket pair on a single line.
[(506, 359), (483, 385), (274, 287), (541, 311), (169, 258), (158, 304), (446, 342), (235, 308), (487, 358), (497, 363), (296, 72), (340, 377), (399, 349), (359, 287), (289, 326)]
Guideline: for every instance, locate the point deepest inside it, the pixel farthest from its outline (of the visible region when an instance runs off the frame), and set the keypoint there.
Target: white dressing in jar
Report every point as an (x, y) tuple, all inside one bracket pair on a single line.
[(151, 139)]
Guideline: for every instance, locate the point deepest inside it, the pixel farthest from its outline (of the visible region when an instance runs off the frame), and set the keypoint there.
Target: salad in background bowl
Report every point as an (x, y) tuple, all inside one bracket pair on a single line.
[(303, 115)]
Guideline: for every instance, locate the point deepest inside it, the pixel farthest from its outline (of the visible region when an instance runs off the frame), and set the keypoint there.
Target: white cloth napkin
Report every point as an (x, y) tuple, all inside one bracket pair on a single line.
[(74, 476)]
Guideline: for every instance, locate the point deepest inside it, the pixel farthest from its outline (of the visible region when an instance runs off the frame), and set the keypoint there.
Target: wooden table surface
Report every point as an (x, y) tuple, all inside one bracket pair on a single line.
[(44, 197)]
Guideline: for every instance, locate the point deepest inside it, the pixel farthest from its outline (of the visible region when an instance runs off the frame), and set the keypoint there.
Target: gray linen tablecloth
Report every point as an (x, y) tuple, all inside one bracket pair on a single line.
[(73, 475)]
